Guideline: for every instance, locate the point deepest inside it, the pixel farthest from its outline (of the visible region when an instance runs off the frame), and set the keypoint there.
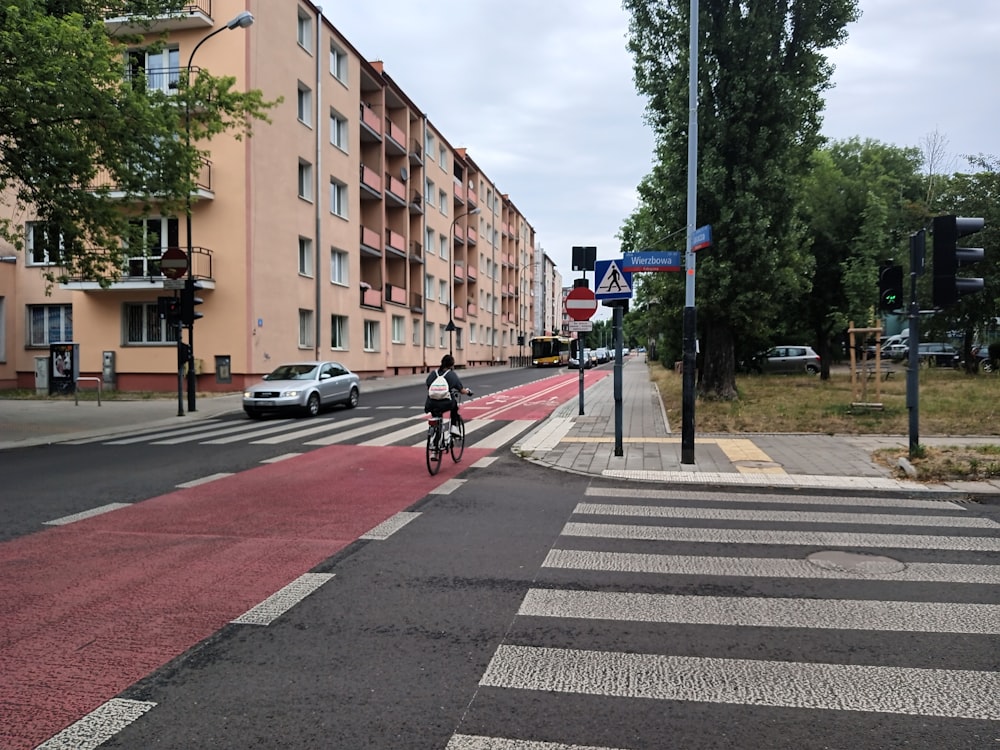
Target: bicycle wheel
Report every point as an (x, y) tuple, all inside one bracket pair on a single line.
[(458, 442), (434, 449)]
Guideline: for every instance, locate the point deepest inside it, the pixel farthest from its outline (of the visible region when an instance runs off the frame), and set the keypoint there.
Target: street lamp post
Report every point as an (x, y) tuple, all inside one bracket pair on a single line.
[(240, 21), (451, 272)]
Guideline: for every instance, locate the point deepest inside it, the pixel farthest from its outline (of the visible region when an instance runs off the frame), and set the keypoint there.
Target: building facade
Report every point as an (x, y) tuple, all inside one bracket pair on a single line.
[(349, 228)]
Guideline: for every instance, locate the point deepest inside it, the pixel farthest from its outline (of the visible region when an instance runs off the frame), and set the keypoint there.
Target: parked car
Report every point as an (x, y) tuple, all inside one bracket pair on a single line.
[(304, 387), (589, 360), (603, 354), (938, 355), (787, 359)]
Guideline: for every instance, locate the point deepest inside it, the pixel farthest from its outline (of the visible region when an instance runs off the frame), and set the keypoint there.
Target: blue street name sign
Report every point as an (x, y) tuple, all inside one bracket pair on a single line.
[(701, 238), (652, 260)]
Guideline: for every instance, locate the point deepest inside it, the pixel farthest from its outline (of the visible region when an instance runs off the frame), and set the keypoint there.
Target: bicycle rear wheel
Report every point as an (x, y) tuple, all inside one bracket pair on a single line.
[(434, 449), (458, 442)]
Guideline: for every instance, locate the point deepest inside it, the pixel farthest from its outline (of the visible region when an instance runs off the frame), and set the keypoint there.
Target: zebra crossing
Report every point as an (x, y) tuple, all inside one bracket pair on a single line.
[(663, 619), (371, 429)]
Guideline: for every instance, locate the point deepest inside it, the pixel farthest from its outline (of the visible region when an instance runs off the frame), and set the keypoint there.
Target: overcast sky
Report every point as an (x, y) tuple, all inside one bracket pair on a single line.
[(541, 94)]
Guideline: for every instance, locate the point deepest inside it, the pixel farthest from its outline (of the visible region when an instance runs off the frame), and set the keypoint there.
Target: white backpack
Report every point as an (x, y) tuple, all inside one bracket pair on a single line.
[(439, 390)]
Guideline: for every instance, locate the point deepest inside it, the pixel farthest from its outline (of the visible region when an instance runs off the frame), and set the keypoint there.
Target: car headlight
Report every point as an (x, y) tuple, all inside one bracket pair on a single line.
[(247, 394), (290, 394)]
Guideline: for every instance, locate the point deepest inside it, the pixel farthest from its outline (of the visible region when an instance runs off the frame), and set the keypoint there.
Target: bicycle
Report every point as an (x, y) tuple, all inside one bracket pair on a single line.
[(440, 439)]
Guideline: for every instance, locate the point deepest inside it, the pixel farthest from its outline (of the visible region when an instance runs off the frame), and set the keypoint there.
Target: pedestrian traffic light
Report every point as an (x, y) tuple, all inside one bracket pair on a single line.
[(948, 257), (189, 301), (169, 309), (890, 287), (183, 354)]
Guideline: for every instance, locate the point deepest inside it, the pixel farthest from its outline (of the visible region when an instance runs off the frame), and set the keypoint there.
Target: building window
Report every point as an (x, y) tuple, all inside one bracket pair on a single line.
[(338, 131), (371, 336), (442, 336), (429, 144), (305, 256), (416, 327), (306, 337), (338, 267), (338, 198), (398, 329), (458, 339), (428, 334), (443, 202), (159, 70), (472, 334), (443, 243), (304, 104), (430, 191), (44, 243), (144, 326), (429, 241), (338, 64), (338, 332), (50, 324), (443, 291), (429, 287), (305, 180), (303, 31), (443, 157)]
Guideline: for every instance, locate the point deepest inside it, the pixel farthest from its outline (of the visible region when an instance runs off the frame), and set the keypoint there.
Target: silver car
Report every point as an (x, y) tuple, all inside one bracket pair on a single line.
[(304, 387), (789, 359)]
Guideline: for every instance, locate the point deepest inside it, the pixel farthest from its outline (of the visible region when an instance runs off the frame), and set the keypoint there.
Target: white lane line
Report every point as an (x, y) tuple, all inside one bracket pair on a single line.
[(447, 487), (99, 726), (767, 567), (505, 434), (479, 742), (146, 431), (958, 694), (283, 600), (737, 497), (201, 426), (791, 516), (759, 536), (485, 461), (327, 426), (206, 479), (98, 511), (390, 526), (759, 612), (358, 431), (282, 457), (189, 437)]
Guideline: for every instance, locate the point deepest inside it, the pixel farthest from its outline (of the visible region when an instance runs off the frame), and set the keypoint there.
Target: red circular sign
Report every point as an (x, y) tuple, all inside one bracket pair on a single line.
[(581, 303), (173, 263)]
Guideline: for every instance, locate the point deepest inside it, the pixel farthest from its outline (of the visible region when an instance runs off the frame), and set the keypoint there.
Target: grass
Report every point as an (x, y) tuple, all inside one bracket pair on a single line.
[(950, 404)]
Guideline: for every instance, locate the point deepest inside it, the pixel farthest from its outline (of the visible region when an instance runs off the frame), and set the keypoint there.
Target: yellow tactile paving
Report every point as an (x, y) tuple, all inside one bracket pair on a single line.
[(736, 450)]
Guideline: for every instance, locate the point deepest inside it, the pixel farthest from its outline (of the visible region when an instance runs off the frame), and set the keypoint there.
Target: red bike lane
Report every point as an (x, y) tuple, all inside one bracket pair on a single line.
[(94, 606)]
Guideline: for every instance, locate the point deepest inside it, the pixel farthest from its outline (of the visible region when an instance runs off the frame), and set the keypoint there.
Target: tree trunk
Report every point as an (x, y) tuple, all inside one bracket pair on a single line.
[(718, 379)]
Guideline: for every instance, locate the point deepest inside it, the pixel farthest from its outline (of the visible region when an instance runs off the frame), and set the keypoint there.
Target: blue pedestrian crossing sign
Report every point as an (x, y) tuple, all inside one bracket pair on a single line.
[(612, 281)]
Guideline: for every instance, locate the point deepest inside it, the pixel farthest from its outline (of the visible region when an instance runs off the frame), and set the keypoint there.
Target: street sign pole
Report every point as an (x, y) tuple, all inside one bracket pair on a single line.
[(690, 330)]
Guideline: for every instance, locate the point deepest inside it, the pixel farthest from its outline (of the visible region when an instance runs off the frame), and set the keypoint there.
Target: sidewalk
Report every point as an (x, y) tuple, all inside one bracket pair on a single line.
[(651, 448), (567, 440)]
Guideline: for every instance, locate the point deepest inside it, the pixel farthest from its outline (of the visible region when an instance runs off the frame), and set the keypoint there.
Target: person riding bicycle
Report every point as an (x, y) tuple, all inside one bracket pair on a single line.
[(438, 406)]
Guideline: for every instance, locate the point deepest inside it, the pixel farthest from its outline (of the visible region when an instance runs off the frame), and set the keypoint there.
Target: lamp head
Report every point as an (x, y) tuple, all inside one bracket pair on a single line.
[(243, 20)]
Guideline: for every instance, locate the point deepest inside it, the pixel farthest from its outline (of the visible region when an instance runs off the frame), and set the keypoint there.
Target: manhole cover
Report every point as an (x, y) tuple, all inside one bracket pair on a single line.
[(854, 562)]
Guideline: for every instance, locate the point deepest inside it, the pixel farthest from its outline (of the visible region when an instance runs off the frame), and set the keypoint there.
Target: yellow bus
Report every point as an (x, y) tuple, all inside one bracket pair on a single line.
[(550, 351)]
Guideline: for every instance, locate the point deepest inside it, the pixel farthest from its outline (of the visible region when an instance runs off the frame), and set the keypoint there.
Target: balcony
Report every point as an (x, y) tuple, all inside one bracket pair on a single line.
[(395, 294), (458, 314), (196, 14), (370, 297), (416, 302), (416, 152), (458, 272), (371, 124), (105, 181), (142, 272), (459, 193), (371, 242), (395, 242), (459, 234), (472, 236), (473, 273), (394, 138), (395, 190), (471, 197), (371, 184), (473, 311), (416, 252), (416, 202)]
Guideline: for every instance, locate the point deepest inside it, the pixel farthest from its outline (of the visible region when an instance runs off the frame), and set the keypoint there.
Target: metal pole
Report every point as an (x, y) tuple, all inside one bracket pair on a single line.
[(917, 249), (617, 336), (690, 331)]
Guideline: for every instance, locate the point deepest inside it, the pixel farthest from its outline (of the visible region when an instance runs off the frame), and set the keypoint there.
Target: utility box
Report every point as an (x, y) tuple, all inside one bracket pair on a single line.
[(41, 376), (108, 370), (223, 368)]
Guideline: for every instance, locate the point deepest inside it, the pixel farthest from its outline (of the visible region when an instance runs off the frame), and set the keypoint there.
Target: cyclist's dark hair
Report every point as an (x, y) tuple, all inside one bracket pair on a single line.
[(447, 361)]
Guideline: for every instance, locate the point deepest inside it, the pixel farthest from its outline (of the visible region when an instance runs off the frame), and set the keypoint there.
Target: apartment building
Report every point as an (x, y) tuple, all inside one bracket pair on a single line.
[(348, 228)]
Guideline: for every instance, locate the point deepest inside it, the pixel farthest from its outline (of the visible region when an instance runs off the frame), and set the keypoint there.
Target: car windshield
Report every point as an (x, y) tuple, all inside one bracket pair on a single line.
[(293, 372)]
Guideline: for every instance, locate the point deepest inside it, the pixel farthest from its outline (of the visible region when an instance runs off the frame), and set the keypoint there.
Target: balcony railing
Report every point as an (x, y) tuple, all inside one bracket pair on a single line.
[(395, 241), (371, 241), (371, 297), (194, 14)]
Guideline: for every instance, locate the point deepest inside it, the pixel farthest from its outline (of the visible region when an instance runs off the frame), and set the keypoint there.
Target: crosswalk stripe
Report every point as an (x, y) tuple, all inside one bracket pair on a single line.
[(256, 430), (194, 428), (478, 742), (326, 426), (419, 427), (189, 437), (791, 516), (761, 536), (768, 567), (720, 496), (345, 437), (751, 612), (505, 434), (960, 694), (145, 432)]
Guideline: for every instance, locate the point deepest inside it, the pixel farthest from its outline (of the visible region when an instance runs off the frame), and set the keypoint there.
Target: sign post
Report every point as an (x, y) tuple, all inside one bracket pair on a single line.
[(581, 304)]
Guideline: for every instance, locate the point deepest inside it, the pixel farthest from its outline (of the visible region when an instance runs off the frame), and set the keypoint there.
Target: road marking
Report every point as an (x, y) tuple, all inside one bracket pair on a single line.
[(760, 612), (206, 479), (146, 431), (760, 536), (390, 526), (327, 426), (505, 434), (201, 426), (766, 567), (282, 457), (99, 726), (958, 694), (478, 742), (722, 496), (447, 487), (100, 510), (189, 437), (283, 600), (790, 516), (357, 432)]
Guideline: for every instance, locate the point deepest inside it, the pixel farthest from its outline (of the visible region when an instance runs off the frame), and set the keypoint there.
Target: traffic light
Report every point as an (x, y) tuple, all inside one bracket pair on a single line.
[(169, 309), (948, 286), (189, 301), (183, 354), (890, 287)]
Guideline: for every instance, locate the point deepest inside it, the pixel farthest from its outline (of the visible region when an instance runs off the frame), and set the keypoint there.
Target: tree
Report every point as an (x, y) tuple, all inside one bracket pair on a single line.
[(74, 125), (760, 81)]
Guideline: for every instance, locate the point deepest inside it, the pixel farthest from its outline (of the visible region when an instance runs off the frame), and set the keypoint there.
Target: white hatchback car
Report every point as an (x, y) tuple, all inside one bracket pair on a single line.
[(304, 387)]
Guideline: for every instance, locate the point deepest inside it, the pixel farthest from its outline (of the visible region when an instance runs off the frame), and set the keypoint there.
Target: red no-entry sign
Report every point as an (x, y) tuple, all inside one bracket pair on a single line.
[(581, 303), (173, 263)]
